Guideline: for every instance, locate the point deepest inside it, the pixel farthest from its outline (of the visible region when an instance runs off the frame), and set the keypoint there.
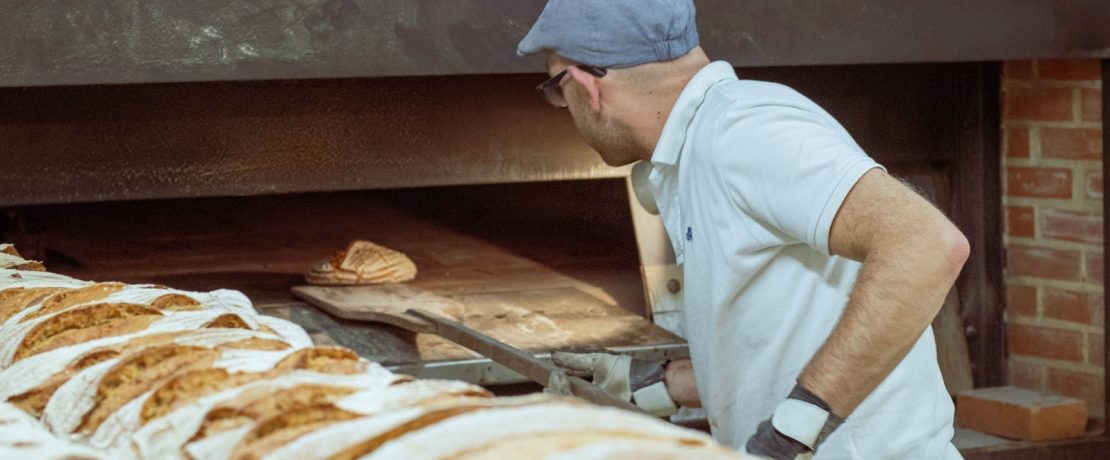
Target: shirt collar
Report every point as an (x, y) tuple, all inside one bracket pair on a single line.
[(674, 130)]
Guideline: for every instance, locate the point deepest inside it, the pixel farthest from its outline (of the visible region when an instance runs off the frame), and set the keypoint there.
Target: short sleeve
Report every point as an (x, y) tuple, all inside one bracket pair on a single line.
[(789, 168)]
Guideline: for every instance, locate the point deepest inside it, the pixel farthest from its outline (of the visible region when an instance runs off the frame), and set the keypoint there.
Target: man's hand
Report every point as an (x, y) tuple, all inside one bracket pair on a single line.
[(622, 376)]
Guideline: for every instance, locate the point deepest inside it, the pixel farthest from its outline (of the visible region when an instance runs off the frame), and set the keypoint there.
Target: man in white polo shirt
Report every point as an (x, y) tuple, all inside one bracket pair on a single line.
[(811, 275)]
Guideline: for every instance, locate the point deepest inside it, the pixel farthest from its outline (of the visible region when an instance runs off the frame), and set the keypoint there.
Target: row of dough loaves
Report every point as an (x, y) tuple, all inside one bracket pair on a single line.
[(112, 370)]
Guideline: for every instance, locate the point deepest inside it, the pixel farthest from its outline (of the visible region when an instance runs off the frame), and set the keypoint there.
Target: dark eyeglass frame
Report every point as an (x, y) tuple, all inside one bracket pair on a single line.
[(552, 91)]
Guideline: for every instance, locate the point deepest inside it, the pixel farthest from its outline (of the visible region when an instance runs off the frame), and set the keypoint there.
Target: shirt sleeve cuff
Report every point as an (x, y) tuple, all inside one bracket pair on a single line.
[(836, 199)]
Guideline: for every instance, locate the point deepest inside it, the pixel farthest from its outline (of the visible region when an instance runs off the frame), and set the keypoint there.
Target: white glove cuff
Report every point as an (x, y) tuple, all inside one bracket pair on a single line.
[(800, 421), (655, 400)]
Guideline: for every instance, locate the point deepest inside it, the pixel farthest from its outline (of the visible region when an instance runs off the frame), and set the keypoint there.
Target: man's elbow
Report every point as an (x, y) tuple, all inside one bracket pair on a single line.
[(954, 249)]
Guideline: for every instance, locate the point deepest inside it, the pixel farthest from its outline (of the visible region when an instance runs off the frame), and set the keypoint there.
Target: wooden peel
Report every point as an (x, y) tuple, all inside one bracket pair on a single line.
[(385, 303), (421, 311)]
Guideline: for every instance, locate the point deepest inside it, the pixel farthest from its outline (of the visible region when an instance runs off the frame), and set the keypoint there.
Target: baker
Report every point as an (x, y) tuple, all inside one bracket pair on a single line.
[(811, 274)]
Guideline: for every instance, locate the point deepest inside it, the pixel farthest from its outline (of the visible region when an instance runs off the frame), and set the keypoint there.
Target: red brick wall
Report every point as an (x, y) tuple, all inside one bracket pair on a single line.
[(1052, 153)]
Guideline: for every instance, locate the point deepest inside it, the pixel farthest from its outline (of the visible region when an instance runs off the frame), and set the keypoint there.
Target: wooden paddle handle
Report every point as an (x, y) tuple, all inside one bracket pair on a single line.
[(523, 363)]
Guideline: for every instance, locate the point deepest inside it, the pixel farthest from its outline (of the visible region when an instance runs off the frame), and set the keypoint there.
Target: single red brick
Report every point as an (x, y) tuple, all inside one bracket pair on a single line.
[(1060, 264), (1096, 350), (1017, 142), (1069, 69), (1039, 182), (1045, 342), (1025, 375), (1022, 221), (1091, 108), (1082, 227), (1072, 144), (1021, 300), (1094, 267), (1044, 104), (1094, 185), (1018, 70), (1083, 386), (1021, 414), (1076, 307)]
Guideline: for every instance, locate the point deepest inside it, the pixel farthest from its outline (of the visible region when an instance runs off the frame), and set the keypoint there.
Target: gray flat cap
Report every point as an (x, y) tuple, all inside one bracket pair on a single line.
[(613, 33)]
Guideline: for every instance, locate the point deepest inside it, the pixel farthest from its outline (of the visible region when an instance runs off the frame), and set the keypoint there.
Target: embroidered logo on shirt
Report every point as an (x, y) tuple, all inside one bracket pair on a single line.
[(689, 234)]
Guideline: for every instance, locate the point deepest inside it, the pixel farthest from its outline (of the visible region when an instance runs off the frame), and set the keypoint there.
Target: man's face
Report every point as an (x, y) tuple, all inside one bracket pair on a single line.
[(601, 129)]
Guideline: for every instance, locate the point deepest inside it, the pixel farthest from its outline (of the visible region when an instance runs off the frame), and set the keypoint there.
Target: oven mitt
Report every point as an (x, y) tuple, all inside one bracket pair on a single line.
[(622, 376)]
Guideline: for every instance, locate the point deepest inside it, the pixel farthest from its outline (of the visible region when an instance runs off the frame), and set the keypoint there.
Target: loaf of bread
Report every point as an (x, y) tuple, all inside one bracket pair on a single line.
[(10, 258), (102, 370), (363, 262), (23, 437)]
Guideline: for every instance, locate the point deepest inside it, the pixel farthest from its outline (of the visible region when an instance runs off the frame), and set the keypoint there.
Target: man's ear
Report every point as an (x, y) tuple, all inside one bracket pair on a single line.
[(590, 83)]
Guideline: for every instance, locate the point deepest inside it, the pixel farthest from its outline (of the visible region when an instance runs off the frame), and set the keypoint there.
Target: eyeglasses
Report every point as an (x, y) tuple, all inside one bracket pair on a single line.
[(552, 91)]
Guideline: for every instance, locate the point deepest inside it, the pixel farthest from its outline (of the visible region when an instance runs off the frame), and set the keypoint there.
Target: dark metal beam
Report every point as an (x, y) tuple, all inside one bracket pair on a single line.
[(59, 42), (125, 142)]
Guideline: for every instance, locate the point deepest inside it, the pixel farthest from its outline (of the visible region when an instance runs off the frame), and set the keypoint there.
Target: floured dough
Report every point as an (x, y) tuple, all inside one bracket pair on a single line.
[(126, 371)]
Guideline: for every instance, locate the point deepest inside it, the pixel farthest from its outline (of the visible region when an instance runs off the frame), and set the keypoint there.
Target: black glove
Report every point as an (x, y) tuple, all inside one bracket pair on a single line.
[(798, 426)]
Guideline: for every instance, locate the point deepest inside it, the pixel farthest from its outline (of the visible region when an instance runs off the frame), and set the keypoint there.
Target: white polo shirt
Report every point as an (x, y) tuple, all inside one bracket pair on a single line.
[(748, 176)]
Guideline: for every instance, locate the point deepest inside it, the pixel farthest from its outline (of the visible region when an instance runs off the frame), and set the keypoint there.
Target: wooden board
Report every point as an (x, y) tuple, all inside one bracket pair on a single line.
[(383, 303), (537, 320), (542, 320), (952, 353)]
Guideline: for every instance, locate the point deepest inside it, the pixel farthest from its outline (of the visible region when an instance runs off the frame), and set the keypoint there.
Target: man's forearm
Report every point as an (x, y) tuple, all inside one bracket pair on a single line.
[(897, 293), (679, 379)]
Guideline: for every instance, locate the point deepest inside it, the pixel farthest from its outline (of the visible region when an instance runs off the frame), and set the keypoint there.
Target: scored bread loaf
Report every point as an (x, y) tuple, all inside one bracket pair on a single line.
[(29, 299), (11, 259), (23, 437), (64, 299), (164, 437), (9, 249), (22, 289), (82, 404), (189, 386), (233, 432), (31, 382), (87, 322), (72, 327), (481, 429), (150, 372), (363, 262), (382, 424), (98, 321)]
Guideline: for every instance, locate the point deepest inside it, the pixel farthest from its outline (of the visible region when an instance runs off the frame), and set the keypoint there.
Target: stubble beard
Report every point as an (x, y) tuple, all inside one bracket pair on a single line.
[(611, 138)]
